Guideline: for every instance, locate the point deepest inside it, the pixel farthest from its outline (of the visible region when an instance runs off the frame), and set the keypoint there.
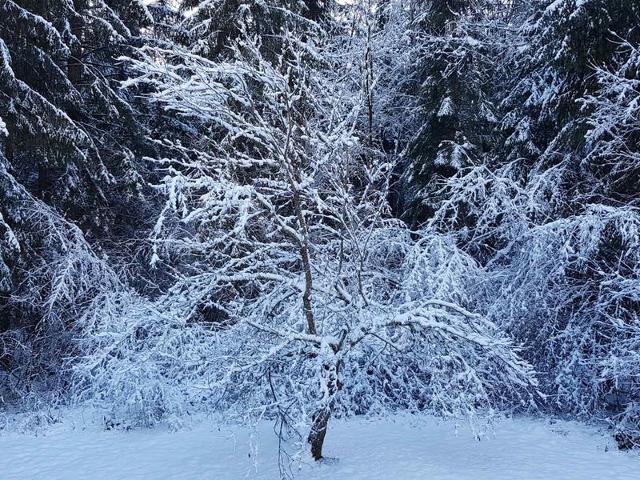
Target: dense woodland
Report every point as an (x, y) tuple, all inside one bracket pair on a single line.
[(307, 209)]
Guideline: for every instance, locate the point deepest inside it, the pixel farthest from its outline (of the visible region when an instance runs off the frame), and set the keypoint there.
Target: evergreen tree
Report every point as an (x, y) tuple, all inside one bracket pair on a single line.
[(553, 214), (168, 23), (215, 25), (73, 135), (70, 144), (456, 117), (543, 117)]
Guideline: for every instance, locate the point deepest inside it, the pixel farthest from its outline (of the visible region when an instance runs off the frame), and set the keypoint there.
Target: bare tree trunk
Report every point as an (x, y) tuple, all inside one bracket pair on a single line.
[(368, 61), (293, 172), (331, 385), (308, 288), (318, 432)]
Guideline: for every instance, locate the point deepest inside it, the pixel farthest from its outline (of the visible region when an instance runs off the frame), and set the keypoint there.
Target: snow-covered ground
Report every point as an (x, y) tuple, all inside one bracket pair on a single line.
[(397, 449)]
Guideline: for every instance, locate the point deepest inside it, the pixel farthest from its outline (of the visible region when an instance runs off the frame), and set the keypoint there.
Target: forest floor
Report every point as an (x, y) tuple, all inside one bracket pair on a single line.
[(399, 448)]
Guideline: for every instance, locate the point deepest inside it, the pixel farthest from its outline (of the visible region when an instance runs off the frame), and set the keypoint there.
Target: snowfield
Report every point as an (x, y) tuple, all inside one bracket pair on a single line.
[(391, 449)]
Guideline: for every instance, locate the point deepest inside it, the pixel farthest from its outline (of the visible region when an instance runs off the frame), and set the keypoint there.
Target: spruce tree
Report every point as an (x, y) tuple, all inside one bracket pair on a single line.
[(215, 25), (553, 213), (70, 147), (73, 135), (544, 118), (453, 81)]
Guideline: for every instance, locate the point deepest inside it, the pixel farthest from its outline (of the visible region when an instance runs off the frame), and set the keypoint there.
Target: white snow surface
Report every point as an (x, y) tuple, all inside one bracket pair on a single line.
[(400, 448)]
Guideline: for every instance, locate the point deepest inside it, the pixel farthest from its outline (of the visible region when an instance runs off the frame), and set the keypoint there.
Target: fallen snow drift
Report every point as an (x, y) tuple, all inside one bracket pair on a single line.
[(398, 449)]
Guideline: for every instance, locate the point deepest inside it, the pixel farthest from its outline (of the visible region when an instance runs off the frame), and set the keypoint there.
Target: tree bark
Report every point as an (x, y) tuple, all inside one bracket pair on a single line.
[(331, 384), (318, 432), (308, 288)]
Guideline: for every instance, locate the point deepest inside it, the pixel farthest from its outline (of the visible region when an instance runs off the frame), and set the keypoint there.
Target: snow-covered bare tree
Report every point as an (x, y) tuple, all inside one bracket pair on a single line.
[(320, 302), (377, 39), (567, 287)]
